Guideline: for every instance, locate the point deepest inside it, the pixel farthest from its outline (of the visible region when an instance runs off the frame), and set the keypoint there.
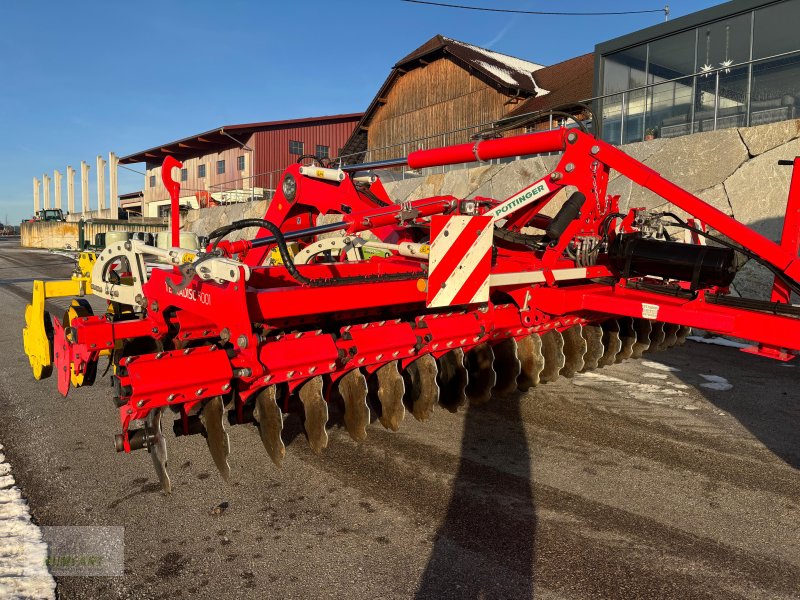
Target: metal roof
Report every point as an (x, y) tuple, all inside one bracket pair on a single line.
[(220, 137)]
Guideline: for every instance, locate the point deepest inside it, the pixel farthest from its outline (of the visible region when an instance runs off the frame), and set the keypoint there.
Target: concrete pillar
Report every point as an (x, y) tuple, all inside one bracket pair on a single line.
[(113, 195), (70, 190), (46, 185), (101, 183), (37, 186), (84, 187), (57, 179)]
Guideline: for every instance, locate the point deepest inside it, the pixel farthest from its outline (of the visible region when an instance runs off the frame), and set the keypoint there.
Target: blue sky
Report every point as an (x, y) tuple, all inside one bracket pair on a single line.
[(85, 77)]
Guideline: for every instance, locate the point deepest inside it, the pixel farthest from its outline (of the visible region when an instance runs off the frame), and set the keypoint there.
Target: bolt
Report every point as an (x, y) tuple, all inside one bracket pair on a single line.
[(595, 149), (290, 374), (171, 397), (569, 168), (199, 392), (225, 334), (154, 330), (187, 351), (312, 369), (332, 366), (241, 341), (140, 403), (226, 387), (159, 355), (154, 306)]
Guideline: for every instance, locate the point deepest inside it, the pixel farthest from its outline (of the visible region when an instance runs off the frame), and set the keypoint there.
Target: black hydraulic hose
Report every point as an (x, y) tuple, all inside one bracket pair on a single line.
[(280, 241), (736, 248)]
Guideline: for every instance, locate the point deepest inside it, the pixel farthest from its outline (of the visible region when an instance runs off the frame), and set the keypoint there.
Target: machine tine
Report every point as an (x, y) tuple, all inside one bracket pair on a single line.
[(507, 366), (353, 389), (529, 350), (269, 418), (643, 329), (316, 413), (683, 333), (593, 334), (482, 376), (574, 349), (627, 334), (391, 390), (453, 380), (670, 334), (212, 417), (612, 343), (422, 391), (658, 337), (158, 448), (553, 352)]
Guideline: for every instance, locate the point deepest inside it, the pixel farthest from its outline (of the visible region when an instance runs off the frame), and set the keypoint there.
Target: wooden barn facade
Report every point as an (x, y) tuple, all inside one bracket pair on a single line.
[(441, 86), (446, 85), (235, 163)]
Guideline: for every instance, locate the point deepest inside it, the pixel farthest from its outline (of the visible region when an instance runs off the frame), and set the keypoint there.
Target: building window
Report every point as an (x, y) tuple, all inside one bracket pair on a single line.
[(295, 147), (184, 174), (152, 181), (163, 211), (201, 171), (220, 167), (240, 163), (322, 152)]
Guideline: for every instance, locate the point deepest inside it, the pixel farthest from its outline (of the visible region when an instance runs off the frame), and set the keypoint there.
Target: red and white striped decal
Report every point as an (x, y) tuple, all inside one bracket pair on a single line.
[(460, 260)]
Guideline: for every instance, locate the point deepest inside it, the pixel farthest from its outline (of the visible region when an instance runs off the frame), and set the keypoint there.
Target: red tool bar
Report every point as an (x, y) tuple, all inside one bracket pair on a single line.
[(535, 143)]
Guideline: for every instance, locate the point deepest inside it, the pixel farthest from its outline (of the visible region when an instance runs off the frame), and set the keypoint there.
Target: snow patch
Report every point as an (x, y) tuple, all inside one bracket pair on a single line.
[(510, 65), (23, 554), (715, 382), (664, 393), (717, 341), (654, 365)]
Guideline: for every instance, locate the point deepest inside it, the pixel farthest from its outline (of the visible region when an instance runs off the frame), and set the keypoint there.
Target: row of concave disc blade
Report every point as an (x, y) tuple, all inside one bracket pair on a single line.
[(451, 381)]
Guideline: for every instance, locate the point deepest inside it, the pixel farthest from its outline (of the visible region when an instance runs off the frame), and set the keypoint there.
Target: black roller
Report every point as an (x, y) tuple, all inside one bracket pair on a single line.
[(703, 266), (566, 215)]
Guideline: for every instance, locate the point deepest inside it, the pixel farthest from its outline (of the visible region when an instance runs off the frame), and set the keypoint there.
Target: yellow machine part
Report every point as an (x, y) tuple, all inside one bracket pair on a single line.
[(37, 335), (275, 255)]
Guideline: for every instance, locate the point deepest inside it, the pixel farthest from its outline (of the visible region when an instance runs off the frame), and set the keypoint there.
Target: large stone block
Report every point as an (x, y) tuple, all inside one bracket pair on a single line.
[(399, 191), (763, 138), (512, 177), (759, 189), (694, 162)]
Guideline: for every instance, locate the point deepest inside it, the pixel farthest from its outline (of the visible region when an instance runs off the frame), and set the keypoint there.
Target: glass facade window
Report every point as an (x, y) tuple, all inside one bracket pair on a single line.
[(720, 74)]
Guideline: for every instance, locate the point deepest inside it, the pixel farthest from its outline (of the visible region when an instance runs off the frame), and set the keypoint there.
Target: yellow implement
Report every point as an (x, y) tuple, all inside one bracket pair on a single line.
[(37, 335)]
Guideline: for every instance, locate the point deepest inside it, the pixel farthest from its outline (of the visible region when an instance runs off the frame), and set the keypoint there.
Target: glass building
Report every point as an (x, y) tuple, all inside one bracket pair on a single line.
[(732, 65)]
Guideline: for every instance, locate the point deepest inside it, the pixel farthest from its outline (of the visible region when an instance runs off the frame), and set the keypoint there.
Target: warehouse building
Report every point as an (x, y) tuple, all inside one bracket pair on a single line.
[(236, 163)]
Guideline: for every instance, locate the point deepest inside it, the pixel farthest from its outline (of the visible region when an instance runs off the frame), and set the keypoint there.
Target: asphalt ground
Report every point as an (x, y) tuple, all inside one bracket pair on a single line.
[(670, 477)]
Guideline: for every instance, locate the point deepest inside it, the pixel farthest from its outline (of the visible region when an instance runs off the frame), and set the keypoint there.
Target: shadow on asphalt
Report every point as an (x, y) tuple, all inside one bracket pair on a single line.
[(764, 399), (473, 524)]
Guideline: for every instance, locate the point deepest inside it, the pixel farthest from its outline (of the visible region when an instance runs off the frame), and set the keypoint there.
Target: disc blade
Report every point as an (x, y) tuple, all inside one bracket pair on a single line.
[(452, 380), (612, 343), (158, 448), (269, 419), (529, 351), (422, 391), (212, 417), (574, 349), (391, 389), (482, 377), (627, 334), (507, 366), (353, 389), (643, 328), (657, 337), (593, 335), (316, 413), (553, 352), (683, 333), (670, 334)]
